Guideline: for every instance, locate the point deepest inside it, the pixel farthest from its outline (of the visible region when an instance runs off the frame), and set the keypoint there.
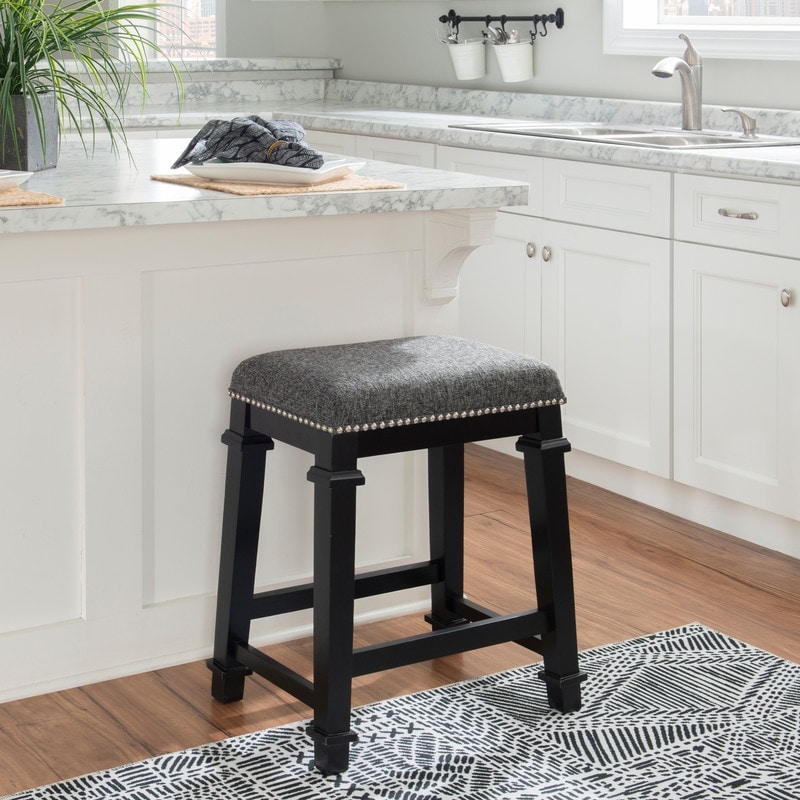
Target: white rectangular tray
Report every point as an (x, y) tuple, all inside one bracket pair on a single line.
[(275, 174)]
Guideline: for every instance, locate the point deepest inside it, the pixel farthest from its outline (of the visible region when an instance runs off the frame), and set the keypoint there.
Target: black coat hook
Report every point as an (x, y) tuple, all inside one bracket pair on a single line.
[(543, 20)]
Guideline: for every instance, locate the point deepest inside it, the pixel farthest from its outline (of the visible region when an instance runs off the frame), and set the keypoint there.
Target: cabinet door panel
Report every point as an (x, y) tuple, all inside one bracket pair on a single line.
[(606, 330), (42, 463), (736, 376), (495, 284)]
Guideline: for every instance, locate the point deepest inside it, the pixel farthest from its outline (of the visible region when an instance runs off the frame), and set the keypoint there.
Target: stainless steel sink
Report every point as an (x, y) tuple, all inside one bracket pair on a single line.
[(689, 140), (635, 135), (561, 130)]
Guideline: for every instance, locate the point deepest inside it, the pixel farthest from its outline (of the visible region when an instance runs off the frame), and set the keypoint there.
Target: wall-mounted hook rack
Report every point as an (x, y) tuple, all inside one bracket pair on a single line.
[(454, 21)]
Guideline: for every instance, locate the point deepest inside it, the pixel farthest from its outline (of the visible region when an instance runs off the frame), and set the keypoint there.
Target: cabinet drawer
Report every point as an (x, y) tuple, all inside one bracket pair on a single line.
[(343, 144), (398, 151), (744, 215), (620, 198), (497, 165)]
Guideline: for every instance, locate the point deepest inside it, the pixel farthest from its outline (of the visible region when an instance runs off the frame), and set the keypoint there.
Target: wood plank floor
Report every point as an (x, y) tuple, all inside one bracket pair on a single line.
[(637, 570)]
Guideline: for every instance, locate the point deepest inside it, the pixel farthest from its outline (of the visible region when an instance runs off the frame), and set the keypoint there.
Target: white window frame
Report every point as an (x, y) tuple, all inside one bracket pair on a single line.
[(712, 40)]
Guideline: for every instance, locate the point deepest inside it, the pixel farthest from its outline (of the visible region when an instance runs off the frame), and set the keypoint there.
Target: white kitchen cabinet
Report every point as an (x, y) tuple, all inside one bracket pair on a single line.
[(594, 303), (500, 288), (743, 215), (606, 196), (398, 151), (378, 148), (737, 378), (605, 311), (343, 144)]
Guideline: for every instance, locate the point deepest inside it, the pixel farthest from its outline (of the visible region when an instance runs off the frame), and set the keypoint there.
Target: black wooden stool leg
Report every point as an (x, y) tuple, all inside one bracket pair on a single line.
[(547, 504), (446, 531), (334, 591), (241, 520)]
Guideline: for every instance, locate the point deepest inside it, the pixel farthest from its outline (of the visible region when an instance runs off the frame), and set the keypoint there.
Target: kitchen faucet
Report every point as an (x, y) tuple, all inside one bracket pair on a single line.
[(690, 70)]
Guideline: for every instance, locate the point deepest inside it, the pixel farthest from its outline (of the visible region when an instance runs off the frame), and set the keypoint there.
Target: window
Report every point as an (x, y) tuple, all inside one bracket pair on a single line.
[(189, 29), (766, 29)]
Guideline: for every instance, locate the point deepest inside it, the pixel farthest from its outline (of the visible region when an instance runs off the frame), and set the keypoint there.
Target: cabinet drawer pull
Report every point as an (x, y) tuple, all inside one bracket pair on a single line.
[(530, 249), (723, 212), (786, 298), (546, 254)]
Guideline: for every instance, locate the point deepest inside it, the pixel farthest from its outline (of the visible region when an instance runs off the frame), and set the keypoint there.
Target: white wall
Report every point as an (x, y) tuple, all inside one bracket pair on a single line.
[(394, 41)]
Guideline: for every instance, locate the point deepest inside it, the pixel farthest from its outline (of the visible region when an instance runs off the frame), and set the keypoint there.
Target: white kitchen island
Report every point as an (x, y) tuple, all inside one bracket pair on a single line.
[(122, 315)]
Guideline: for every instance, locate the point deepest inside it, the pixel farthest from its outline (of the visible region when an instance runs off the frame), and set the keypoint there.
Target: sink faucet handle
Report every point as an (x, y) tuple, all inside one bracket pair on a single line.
[(748, 123), (690, 56)]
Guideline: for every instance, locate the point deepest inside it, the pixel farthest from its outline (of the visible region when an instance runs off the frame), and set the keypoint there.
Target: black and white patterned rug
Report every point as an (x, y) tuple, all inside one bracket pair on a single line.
[(685, 714)]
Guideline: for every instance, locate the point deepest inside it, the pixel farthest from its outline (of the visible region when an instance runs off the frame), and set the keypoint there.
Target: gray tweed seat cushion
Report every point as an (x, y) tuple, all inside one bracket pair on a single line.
[(370, 385)]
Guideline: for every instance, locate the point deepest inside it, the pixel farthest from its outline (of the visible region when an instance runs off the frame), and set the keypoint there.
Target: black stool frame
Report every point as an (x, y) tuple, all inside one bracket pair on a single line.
[(457, 623)]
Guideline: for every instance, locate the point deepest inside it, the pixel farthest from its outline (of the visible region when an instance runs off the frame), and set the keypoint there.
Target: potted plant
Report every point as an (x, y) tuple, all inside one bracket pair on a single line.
[(66, 62)]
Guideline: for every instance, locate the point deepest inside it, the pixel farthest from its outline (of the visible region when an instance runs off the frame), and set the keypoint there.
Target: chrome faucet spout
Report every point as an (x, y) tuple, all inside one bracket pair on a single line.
[(690, 71)]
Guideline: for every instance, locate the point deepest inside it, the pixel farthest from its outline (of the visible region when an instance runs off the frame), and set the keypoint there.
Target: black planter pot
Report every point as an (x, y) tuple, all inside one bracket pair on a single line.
[(31, 152)]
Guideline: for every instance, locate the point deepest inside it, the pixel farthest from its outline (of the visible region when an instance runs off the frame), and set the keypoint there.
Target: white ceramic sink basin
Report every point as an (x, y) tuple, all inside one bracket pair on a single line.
[(636, 135)]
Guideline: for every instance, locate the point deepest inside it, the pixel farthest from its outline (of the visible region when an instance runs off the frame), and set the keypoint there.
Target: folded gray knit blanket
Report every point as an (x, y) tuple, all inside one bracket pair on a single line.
[(251, 139)]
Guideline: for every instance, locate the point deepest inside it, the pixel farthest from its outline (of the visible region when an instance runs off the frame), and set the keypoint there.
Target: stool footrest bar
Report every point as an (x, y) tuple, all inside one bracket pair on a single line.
[(282, 601), (447, 641), (395, 579), (475, 612), (368, 584), (277, 673)]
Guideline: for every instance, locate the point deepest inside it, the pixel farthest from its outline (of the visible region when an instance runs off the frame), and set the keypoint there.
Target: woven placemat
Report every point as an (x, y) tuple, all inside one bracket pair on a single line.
[(349, 183), (15, 196)]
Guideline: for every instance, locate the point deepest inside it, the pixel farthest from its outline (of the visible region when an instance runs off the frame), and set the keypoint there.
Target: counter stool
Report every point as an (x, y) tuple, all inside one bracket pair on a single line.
[(346, 402)]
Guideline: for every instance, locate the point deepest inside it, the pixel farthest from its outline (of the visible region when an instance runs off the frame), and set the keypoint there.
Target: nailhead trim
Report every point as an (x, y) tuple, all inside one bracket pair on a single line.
[(371, 426)]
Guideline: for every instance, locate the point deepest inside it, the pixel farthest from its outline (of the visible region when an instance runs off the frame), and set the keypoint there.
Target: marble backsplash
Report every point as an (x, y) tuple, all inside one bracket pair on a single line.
[(218, 86), (521, 105), (163, 99)]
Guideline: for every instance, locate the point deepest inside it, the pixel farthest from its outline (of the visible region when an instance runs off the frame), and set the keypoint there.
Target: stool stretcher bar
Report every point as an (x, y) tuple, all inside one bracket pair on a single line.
[(400, 652), (368, 584), (447, 641)]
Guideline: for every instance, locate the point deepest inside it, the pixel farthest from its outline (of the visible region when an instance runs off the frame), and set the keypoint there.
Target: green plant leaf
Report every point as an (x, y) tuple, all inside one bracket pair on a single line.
[(88, 55)]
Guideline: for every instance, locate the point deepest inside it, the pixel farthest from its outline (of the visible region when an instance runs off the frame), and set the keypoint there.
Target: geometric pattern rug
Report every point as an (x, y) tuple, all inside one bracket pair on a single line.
[(686, 714)]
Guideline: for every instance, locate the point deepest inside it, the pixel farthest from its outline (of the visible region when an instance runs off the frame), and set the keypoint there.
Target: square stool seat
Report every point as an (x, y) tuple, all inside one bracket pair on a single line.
[(345, 402), (371, 385)]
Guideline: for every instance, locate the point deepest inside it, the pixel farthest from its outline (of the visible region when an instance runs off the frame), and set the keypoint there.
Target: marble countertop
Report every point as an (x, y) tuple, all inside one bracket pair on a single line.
[(108, 192), (773, 163)]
